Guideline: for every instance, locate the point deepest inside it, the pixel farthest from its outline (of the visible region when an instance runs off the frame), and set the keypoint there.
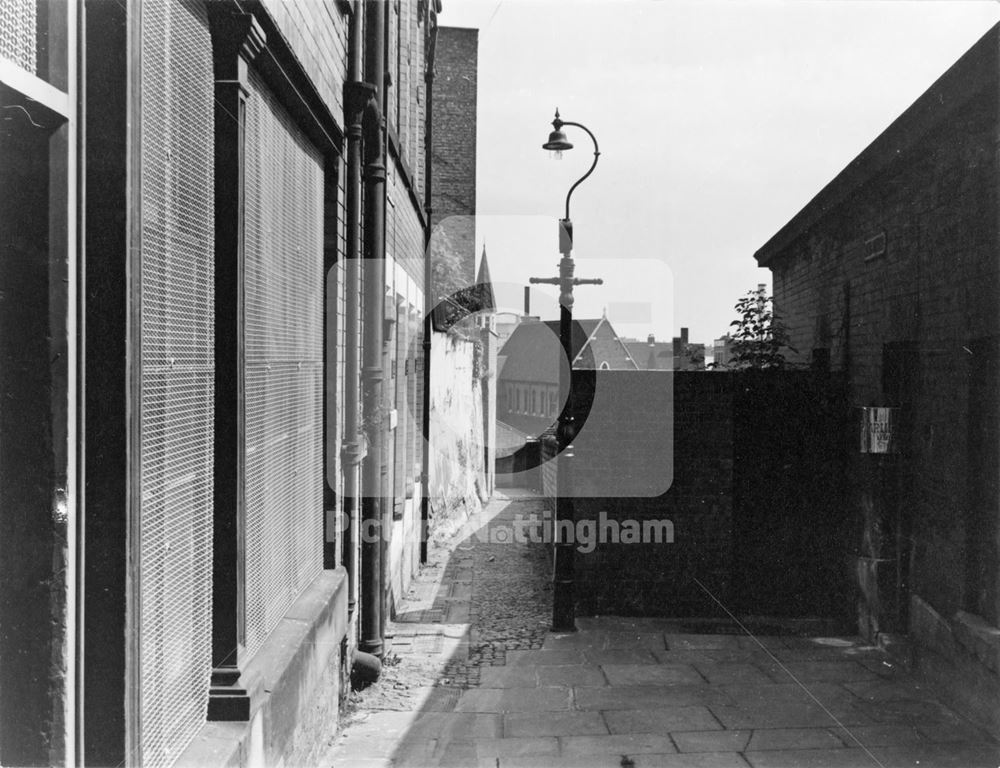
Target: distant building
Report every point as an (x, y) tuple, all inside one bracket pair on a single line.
[(528, 396), (676, 355), (506, 324), (722, 351), (651, 355), (687, 356)]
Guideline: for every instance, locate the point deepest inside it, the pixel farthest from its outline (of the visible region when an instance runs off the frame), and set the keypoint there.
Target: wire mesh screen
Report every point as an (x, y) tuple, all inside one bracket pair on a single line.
[(283, 334), (17, 32), (177, 384)]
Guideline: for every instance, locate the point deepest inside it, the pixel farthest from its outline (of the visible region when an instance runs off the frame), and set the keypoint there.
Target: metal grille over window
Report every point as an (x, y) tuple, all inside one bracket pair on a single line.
[(177, 377), (17, 32), (283, 335)]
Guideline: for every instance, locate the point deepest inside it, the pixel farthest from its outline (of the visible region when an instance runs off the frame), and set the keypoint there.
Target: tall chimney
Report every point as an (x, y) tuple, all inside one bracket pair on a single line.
[(684, 335), (527, 300)]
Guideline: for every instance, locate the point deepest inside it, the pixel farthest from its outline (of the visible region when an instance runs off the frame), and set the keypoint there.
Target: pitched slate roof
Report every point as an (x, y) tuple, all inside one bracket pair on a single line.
[(532, 352)]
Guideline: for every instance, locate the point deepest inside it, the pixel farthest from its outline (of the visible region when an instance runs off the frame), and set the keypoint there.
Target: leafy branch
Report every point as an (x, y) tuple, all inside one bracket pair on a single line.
[(758, 335)]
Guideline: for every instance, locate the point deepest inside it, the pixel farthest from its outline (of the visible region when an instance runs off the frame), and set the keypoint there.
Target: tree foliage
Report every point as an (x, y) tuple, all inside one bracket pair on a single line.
[(457, 295), (758, 334)]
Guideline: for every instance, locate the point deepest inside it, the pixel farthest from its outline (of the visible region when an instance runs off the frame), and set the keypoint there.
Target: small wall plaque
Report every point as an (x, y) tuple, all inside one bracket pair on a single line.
[(875, 246), (878, 426)]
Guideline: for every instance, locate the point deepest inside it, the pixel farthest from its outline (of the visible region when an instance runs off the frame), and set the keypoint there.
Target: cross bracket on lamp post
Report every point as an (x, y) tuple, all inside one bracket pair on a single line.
[(576, 280)]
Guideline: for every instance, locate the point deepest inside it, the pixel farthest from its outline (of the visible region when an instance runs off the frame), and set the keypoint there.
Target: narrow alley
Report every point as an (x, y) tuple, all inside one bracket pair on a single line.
[(475, 679), (288, 286)]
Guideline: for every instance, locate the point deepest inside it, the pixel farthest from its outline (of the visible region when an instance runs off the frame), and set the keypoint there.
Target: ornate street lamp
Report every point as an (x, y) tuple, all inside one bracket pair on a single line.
[(563, 603)]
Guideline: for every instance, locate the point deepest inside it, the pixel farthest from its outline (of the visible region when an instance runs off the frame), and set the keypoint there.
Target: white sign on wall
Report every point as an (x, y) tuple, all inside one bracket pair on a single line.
[(877, 426)]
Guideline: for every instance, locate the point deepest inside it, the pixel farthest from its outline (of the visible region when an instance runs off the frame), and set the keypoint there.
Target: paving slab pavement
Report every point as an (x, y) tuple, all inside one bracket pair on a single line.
[(500, 691)]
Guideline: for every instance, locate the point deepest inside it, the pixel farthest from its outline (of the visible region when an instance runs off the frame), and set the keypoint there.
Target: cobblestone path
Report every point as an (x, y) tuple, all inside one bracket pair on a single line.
[(481, 594), (510, 607)]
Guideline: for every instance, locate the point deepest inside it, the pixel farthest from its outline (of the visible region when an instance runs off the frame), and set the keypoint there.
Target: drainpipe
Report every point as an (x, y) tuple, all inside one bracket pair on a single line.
[(386, 493), (429, 301), (356, 97), (371, 349)]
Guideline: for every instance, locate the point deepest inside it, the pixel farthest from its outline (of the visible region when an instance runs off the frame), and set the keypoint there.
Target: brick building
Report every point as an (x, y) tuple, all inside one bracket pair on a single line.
[(528, 396), (891, 275), (722, 351), (213, 358)]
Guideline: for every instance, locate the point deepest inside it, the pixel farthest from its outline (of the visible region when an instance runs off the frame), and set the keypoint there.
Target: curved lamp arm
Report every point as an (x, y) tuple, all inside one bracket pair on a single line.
[(597, 153)]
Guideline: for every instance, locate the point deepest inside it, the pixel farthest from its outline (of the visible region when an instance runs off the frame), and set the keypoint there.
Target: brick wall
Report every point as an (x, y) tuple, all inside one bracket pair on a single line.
[(406, 111), (404, 234), (629, 433), (907, 255), (453, 150), (740, 518), (316, 32), (794, 535), (457, 480)]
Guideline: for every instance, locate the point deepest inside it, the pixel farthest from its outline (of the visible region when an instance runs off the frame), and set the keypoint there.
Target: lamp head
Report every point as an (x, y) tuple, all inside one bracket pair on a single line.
[(557, 138)]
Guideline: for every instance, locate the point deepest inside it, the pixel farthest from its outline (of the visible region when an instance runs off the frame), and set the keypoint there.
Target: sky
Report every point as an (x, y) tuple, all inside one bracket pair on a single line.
[(717, 122)]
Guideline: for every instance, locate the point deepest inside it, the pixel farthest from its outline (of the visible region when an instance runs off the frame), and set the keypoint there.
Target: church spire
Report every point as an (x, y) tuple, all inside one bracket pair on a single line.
[(484, 284)]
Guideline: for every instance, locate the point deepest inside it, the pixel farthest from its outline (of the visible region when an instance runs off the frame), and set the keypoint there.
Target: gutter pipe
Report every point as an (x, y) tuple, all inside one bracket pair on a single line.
[(372, 373), (429, 301), (356, 97)]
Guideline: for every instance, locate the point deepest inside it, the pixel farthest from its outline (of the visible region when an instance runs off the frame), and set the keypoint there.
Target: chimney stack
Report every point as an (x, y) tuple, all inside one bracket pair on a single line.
[(684, 335), (651, 339), (527, 300)]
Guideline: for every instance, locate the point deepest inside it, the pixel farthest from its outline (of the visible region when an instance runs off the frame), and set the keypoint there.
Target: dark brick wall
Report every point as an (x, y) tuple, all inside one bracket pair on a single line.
[(794, 536), (707, 432), (453, 135), (649, 578), (930, 188)]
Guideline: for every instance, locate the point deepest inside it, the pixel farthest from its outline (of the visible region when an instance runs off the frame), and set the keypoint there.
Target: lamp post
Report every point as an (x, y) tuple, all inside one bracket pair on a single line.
[(563, 603)]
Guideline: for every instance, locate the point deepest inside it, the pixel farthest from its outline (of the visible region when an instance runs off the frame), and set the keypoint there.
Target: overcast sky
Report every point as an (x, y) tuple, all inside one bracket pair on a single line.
[(717, 122)]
